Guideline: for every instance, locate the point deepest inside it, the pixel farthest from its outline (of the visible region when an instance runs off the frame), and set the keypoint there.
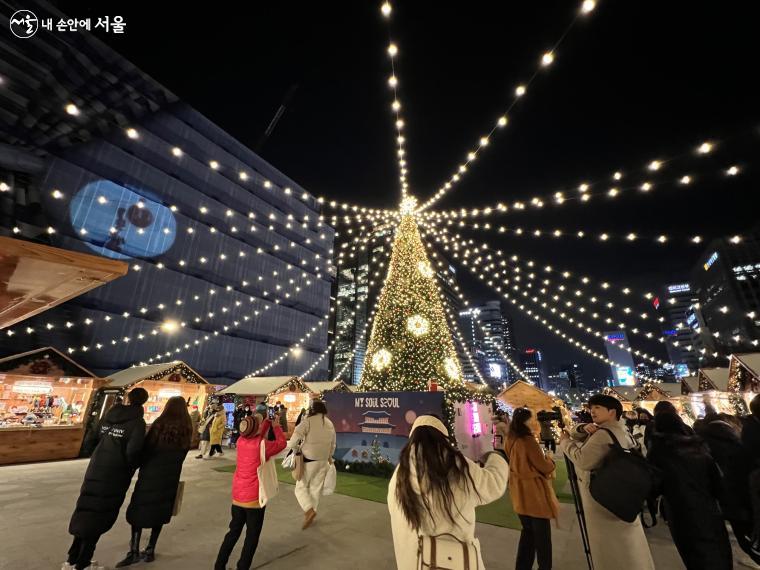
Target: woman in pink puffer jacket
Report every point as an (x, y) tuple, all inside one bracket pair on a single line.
[(246, 510)]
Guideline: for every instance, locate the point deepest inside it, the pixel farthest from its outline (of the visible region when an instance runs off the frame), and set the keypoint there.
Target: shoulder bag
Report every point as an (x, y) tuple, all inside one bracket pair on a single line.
[(623, 482), (447, 552), (269, 487)]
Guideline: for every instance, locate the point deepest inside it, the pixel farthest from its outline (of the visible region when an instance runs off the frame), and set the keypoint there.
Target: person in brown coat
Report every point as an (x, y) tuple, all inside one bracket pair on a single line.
[(531, 491)]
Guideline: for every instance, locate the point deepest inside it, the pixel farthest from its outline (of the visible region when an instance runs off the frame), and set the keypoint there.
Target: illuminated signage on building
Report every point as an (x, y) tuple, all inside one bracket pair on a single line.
[(494, 370), (615, 336), (679, 288), (625, 376), (671, 332), (656, 302), (712, 259)]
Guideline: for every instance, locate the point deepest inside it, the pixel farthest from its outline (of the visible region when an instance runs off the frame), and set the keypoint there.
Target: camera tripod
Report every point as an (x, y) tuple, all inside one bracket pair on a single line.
[(573, 478)]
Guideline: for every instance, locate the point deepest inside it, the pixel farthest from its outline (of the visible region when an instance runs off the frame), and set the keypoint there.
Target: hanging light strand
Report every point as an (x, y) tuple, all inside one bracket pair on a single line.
[(544, 62)]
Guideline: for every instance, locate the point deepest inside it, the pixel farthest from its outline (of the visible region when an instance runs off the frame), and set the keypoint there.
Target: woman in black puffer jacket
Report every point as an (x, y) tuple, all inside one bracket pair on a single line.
[(119, 439), (166, 446)]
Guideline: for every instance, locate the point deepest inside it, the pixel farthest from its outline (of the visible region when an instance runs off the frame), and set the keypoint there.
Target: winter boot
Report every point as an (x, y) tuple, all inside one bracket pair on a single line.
[(133, 556)]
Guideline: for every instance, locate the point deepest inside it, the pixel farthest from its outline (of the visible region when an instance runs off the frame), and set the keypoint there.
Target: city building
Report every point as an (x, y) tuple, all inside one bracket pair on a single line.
[(575, 377), (619, 352), (558, 381), (490, 338), (534, 367), (674, 303), (472, 334), (356, 289), (229, 259), (727, 282)]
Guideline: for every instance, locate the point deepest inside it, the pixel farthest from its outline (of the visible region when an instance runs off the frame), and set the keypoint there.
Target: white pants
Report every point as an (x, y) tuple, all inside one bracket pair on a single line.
[(203, 447), (309, 488)]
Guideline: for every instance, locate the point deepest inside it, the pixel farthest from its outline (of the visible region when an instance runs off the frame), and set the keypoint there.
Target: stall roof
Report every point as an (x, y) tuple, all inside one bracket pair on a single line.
[(38, 277), (690, 384), (751, 362), (624, 393), (327, 386), (135, 374), (521, 393), (263, 385), (16, 362), (718, 377)]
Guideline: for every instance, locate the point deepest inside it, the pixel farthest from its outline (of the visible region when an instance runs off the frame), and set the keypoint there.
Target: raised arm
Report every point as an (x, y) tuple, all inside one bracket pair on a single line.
[(491, 479), (587, 455), (537, 458), (273, 447)]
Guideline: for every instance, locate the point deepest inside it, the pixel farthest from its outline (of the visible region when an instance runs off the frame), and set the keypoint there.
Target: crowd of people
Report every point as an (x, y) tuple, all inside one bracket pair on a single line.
[(704, 478), (123, 446)]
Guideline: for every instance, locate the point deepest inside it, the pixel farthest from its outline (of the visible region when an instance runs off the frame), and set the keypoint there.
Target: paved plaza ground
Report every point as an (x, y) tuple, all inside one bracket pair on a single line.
[(36, 502)]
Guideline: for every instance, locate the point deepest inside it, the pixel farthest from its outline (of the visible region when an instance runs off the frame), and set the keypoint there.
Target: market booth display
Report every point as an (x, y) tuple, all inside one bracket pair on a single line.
[(288, 390), (651, 393), (44, 401), (162, 381)]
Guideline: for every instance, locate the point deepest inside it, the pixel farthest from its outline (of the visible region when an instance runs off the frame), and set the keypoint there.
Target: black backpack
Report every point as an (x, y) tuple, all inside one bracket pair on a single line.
[(623, 482)]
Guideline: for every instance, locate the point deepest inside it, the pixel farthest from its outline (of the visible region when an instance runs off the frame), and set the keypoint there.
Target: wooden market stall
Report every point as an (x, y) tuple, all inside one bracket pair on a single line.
[(713, 391), (162, 381), (45, 399), (689, 385), (521, 394), (288, 390), (744, 373), (651, 393)]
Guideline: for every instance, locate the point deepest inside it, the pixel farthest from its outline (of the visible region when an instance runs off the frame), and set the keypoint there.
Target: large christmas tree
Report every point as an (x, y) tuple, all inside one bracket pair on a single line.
[(411, 343)]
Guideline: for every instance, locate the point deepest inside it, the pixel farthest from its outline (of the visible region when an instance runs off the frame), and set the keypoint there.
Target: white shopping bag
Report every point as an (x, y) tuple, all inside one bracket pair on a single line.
[(330, 480), (268, 484)]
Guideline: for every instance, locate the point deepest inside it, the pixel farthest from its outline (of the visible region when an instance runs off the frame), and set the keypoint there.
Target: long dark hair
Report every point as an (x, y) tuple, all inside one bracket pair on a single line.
[(519, 427), (440, 467), (173, 428)]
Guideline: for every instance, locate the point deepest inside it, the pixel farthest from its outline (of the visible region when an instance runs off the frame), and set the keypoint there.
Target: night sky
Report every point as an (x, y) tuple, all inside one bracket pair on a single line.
[(635, 81)]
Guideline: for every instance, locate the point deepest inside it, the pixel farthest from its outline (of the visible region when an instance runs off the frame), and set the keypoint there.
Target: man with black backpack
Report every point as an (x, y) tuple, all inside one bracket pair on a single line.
[(594, 448)]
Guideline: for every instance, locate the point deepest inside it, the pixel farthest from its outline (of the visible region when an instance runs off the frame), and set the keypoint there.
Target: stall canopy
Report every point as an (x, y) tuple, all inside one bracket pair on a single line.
[(659, 391), (744, 372), (689, 385), (266, 386), (176, 371), (322, 387), (712, 379), (522, 394), (36, 277), (43, 362)]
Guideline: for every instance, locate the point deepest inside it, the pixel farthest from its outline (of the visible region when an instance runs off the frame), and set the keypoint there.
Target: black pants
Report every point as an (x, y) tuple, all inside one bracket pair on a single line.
[(216, 448), (81, 551), (550, 444), (253, 520), (742, 532), (535, 540)]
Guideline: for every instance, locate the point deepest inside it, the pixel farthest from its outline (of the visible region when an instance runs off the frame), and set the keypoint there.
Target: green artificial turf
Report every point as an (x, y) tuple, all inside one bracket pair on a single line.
[(498, 513)]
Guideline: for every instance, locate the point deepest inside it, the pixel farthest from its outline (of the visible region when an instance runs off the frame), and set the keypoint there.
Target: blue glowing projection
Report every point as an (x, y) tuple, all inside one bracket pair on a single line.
[(117, 222)]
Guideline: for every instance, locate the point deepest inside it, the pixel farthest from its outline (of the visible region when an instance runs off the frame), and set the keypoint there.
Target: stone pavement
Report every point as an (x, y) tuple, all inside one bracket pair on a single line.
[(36, 502)]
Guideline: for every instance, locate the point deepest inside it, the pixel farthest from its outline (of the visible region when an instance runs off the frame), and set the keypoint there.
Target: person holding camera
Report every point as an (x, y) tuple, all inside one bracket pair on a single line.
[(614, 542), (247, 511), (531, 491)]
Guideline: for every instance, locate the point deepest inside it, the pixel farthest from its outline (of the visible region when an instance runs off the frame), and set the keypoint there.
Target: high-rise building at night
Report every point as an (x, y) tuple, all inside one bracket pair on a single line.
[(534, 367), (618, 351), (674, 303), (574, 374), (490, 338), (98, 157), (473, 337), (727, 281), (357, 286)]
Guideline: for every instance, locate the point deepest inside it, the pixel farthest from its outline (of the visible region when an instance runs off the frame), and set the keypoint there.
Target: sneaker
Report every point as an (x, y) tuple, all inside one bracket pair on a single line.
[(199, 457), (66, 566)]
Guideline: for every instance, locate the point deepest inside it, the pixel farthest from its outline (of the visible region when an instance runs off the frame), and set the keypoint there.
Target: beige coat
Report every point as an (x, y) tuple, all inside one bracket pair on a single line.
[(615, 544), (530, 486), (316, 435), (490, 481)]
